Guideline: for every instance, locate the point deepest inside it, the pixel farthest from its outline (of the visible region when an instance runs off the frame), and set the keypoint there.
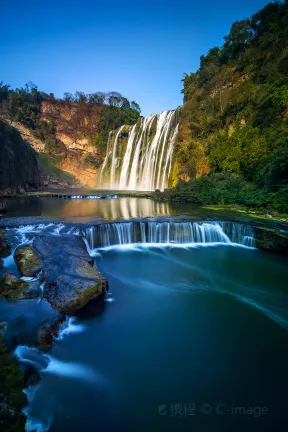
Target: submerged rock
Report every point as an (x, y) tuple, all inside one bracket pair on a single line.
[(71, 281), (13, 288), (28, 263), (47, 332)]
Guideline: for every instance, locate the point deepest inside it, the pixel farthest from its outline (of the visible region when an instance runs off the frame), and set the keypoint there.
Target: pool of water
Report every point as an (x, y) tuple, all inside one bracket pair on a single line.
[(110, 208), (191, 338), (86, 209)]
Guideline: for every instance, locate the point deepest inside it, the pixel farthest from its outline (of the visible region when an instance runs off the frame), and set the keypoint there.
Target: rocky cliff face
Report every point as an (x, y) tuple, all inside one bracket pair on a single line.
[(18, 162), (76, 162), (74, 128), (75, 125)]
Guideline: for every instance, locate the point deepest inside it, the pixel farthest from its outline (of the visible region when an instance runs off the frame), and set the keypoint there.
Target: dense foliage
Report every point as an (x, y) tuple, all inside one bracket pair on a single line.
[(18, 161), (229, 189), (94, 115), (235, 115)]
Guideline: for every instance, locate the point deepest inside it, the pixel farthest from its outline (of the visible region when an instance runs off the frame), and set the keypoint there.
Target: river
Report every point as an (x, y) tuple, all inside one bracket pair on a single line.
[(193, 335)]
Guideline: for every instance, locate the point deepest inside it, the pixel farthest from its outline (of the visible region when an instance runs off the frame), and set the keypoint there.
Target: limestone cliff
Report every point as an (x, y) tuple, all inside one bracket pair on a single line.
[(77, 156)]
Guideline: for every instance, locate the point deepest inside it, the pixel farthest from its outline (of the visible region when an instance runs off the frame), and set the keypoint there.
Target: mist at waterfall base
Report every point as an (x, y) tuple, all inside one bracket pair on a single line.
[(183, 325)]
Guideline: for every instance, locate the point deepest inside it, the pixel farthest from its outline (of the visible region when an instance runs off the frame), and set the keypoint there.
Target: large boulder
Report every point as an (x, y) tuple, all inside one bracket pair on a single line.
[(13, 288), (28, 263), (70, 279)]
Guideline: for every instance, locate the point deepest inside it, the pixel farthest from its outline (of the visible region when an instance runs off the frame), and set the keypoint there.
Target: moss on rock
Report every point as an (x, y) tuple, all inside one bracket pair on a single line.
[(86, 295), (13, 288), (27, 261)]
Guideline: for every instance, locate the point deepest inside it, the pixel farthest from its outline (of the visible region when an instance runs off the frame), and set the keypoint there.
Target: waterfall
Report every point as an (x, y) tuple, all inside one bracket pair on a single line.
[(140, 157), (239, 233), (119, 233)]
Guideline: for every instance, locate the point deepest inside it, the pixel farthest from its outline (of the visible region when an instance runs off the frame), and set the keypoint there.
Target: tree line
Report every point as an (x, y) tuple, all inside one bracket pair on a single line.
[(234, 122)]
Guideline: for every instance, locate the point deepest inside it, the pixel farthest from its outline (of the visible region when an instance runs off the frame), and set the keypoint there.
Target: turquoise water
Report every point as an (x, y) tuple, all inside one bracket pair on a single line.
[(201, 327)]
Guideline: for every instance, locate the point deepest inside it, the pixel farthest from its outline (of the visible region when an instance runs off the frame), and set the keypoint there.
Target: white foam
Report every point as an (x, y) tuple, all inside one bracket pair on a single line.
[(58, 228), (139, 246), (30, 278), (70, 326), (31, 392), (48, 364), (109, 299), (36, 425), (31, 356), (67, 369)]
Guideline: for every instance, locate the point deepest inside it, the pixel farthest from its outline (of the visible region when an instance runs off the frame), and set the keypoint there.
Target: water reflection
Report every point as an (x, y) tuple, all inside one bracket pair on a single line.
[(68, 209)]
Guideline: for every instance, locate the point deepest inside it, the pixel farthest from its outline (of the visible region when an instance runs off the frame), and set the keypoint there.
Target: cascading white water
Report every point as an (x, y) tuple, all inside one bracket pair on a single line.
[(144, 162), (121, 233)]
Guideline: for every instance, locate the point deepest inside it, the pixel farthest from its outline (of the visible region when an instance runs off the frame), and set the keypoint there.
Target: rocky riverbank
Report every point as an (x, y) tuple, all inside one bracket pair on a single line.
[(59, 270)]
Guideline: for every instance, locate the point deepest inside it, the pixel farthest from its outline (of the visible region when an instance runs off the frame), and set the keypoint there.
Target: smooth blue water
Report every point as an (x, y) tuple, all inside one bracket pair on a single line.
[(205, 326)]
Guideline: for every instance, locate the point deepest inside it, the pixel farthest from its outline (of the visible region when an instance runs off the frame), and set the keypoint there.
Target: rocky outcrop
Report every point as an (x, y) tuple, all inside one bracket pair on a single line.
[(27, 261), (79, 165), (18, 162), (13, 288), (70, 279), (47, 333), (272, 239), (75, 128)]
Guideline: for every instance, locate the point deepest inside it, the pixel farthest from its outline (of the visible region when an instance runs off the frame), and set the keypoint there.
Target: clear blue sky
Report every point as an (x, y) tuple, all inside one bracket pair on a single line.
[(140, 48)]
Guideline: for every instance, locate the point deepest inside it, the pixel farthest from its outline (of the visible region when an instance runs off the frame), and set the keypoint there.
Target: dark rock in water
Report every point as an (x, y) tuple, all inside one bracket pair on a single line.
[(47, 332), (5, 249), (70, 279), (271, 239), (13, 288), (27, 261)]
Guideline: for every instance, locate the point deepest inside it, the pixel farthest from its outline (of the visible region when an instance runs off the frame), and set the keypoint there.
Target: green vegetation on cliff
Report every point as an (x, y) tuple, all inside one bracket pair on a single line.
[(89, 116), (48, 168), (70, 132), (18, 162), (234, 122)]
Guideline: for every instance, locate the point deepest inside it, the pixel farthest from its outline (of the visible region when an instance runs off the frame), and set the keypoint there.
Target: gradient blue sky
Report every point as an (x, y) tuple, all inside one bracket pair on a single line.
[(139, 48)]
